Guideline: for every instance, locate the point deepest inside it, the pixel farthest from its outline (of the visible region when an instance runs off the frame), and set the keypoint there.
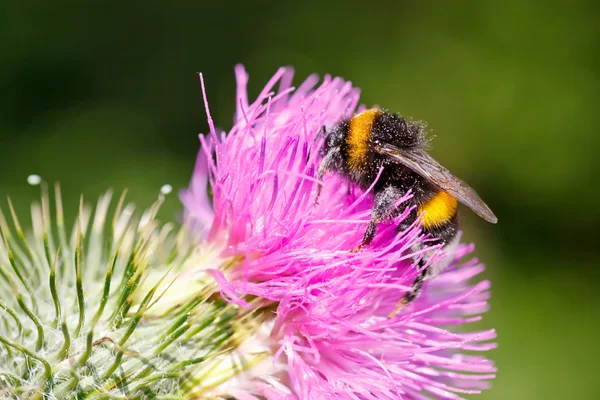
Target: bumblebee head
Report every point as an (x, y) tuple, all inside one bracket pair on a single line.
[(334, 145), (333, 139)]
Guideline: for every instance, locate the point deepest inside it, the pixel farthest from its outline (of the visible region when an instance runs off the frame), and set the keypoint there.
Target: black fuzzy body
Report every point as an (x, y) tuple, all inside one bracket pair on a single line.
[(394, 129), (395, 181)]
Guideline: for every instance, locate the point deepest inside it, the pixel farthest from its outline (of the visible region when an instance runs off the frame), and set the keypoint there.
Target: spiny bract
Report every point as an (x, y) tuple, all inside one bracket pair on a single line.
[(98, 312)]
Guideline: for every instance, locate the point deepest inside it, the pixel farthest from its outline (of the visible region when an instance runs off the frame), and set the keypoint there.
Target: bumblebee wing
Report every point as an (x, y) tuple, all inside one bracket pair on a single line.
[(423, 164)]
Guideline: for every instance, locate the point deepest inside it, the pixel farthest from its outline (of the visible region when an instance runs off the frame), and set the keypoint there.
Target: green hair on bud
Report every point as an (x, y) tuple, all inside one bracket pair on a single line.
[(111, 309)]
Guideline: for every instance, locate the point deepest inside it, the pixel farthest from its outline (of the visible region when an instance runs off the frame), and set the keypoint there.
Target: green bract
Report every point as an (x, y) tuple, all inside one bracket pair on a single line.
[(119, 307)]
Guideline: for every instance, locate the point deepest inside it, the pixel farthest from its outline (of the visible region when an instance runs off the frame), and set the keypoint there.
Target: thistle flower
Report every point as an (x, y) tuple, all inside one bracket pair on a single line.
[(256, 296), (326, 309)]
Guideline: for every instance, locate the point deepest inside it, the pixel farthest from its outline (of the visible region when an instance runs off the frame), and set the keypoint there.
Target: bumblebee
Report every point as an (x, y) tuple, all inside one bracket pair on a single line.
[(377, 140)]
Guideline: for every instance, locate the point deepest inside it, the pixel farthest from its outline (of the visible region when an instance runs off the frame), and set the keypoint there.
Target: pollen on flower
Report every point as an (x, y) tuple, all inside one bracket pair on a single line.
[(327, 308)]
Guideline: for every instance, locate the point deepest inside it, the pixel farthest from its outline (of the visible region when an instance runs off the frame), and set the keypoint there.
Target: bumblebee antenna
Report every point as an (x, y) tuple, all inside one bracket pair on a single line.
[(322, 130), (324, 167)]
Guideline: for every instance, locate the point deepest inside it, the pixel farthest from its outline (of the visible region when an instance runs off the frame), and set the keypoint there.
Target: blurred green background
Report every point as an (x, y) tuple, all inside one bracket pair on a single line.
[(99, 96)]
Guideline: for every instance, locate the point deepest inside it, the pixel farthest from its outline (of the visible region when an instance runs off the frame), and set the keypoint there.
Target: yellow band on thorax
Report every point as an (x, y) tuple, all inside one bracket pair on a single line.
[(358, 136), (439, 210)]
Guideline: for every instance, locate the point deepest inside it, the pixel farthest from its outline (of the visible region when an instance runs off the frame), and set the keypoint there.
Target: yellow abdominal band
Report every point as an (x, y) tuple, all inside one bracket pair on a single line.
[(439, 210)]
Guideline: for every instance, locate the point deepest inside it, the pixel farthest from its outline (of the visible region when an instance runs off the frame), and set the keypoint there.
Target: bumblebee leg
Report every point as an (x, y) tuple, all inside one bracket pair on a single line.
[(367, 237), (415, 288), (383, 209), (408, 221), (417, 285)]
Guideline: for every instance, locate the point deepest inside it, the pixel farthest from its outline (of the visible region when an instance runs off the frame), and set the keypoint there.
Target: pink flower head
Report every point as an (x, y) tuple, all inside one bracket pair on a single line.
[(331, 328)]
